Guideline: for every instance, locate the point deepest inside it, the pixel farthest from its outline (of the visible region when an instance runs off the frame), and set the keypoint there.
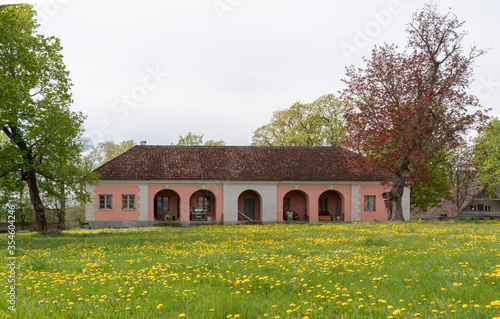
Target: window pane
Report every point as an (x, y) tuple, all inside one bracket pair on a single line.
[(104, 201), (166, 203), (370, 203), (204, 202), (323, 204), (131, 202)]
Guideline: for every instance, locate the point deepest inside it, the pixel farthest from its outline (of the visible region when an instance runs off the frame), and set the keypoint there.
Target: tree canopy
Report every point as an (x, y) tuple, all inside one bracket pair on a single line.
[(310, 124), (487, 156), (405, 107), (44, 146), (106, 151), (192, 139)]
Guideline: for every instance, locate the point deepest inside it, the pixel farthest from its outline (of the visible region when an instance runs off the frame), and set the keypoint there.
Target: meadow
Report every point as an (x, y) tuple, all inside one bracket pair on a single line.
[(359, 270)]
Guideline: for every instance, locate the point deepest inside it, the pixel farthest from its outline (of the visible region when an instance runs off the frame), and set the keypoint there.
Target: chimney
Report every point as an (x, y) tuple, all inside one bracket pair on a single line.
[(143, 142)]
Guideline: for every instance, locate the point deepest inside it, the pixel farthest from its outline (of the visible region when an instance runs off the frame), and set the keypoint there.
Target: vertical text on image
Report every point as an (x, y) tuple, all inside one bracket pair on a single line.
[(11, 259)]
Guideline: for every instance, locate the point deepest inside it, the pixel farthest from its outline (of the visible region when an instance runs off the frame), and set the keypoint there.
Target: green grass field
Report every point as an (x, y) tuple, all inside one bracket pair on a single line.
[(359, 270)]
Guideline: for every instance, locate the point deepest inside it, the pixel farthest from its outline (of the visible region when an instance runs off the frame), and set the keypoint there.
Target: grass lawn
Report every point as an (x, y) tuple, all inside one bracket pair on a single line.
[(358, 270)]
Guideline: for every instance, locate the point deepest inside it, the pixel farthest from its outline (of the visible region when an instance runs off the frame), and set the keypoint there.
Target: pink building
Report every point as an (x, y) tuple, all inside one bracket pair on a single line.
[(233, 184)]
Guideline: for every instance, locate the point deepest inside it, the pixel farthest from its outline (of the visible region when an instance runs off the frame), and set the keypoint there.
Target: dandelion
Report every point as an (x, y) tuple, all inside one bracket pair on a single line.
[(159, 306)]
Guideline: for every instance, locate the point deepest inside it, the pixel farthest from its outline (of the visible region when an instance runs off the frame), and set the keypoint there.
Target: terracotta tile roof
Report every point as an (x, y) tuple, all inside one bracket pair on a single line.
[(238, 163)]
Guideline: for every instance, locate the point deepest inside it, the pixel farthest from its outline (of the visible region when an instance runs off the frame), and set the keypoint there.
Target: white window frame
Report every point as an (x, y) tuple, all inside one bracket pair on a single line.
[(369, 200), (108, 202), (130, 201)]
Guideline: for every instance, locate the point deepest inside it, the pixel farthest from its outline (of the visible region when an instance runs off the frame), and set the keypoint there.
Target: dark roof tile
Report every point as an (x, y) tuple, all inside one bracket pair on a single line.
[(238, 163)]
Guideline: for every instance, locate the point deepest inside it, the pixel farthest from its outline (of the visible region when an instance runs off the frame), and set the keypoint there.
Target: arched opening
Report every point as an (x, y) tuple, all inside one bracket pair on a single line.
[(295, 206), (202, 206), (330, 206), (166, 205), (249, 206)]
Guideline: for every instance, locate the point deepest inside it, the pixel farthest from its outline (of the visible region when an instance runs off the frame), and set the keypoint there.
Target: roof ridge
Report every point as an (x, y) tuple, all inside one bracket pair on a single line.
[(114, 158)]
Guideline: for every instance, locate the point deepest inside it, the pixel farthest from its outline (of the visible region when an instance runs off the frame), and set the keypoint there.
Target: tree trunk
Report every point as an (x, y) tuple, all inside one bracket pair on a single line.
[(394, 205), (387, 196), (61, 212), (41, 222)]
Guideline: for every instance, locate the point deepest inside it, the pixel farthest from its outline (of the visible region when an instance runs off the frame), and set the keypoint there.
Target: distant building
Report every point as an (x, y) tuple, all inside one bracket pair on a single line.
[(477, 205), (482, 206), (233, 184)]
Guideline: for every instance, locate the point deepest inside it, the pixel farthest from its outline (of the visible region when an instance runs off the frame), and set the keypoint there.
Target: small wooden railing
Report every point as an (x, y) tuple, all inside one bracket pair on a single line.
[(245, 216)]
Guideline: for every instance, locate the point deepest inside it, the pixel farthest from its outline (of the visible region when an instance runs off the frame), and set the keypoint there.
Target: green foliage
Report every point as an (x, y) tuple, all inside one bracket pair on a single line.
[(192, 139), (43, 144), (428, 191), (309, 124), (75, 215), (106, 151), (23, 210), (487, 156)]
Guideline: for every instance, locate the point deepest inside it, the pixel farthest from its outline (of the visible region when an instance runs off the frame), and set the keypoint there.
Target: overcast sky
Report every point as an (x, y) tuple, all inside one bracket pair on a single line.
[(154, 70)]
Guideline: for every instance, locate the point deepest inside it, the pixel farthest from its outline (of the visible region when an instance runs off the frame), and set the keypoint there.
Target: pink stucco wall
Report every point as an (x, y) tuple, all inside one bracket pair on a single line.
[(379, 213), (187, 200), (116, 213), (302, 198), (312, 194)]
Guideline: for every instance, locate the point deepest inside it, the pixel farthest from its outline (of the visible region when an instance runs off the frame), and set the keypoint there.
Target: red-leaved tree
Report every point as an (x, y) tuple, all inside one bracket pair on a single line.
[(405, 107)]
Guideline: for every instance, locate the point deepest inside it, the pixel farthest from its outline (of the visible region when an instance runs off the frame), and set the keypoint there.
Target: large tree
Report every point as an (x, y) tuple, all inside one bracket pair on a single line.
[(487, 157), (310, 124), (406, 107), (44, 147)]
